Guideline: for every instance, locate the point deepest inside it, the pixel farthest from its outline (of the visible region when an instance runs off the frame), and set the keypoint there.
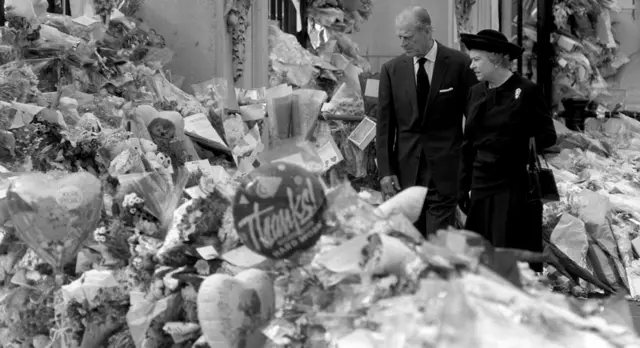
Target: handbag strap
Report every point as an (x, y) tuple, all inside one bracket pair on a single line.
[(534, 153)]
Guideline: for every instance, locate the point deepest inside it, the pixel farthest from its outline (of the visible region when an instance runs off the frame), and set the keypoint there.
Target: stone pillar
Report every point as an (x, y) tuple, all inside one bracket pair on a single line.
[(452, 34), (506, 7), (256, 72), (483, 15)]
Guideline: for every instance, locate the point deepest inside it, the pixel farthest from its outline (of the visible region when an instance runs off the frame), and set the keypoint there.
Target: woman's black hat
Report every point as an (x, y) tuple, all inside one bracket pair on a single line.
[(491, 41)]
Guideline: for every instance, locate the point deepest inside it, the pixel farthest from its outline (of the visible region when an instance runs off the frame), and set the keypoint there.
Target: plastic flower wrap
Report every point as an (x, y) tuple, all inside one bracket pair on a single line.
[(160, 199), (212, 94)]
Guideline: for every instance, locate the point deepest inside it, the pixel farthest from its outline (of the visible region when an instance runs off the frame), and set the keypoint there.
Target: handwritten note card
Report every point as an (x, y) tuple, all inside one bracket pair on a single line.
[(364, 133), (208, 252), (195, 192), (199, 124), (203, 165), (85, 21), (371, 90), (244, 257), (330, 154)]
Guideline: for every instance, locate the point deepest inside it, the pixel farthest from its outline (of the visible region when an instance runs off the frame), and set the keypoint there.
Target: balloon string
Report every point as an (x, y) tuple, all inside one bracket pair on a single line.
[(61, 334)]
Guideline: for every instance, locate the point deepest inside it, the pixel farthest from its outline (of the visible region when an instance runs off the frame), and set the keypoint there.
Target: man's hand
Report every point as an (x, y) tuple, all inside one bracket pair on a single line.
[(464, 201), (390, 186)]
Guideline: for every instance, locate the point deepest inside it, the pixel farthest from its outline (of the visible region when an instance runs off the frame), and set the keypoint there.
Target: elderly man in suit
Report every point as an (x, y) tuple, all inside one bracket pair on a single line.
[(421, 101)]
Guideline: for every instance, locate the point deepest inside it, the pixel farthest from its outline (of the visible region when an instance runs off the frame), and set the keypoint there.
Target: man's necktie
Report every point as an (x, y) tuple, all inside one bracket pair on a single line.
[(422, 87)]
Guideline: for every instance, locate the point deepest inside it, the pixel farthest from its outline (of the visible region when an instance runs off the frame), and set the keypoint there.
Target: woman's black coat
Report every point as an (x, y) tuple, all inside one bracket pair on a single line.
[(499, 124)]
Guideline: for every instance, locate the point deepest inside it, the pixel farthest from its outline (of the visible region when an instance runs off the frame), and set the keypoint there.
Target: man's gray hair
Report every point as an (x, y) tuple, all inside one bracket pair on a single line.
[(416, 15)]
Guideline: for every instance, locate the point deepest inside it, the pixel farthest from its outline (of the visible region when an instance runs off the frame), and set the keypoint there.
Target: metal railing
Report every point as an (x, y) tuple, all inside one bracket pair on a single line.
[(285, 13)]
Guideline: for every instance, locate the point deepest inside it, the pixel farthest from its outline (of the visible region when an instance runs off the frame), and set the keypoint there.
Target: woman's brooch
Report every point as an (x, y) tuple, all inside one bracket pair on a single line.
[(518, 93)]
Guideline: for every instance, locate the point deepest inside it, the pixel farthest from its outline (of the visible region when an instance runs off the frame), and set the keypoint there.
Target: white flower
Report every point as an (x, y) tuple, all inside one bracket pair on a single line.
[(137, 262), (130, 200), (518, 90), (99, 235)]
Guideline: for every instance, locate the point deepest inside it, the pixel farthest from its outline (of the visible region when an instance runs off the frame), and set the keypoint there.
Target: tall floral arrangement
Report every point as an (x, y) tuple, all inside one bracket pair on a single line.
[(463, 12), (237, 16)]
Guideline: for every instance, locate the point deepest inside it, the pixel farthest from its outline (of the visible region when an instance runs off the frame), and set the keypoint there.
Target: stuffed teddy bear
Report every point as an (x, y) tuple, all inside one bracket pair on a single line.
[(149, 150), (162, 164), (147, 145), (137, 144), (127, 161), (165, 161)]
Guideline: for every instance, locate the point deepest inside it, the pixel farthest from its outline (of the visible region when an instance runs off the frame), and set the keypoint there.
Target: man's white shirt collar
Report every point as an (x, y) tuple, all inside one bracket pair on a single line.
[(431, 55)]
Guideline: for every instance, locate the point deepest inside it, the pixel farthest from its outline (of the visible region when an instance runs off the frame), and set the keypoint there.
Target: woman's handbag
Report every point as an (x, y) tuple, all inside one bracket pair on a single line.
[(542, 183)]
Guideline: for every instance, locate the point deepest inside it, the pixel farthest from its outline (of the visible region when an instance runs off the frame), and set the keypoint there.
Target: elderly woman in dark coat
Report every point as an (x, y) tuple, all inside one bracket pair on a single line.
[(504, 111)]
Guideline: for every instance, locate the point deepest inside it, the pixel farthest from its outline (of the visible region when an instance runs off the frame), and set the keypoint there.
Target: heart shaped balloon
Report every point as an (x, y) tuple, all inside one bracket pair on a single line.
[(279, 210), (54, 216), (232, 310)]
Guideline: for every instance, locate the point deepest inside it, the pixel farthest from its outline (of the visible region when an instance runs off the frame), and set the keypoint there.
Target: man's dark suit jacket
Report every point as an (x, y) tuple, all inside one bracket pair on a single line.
[(402, 135)]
